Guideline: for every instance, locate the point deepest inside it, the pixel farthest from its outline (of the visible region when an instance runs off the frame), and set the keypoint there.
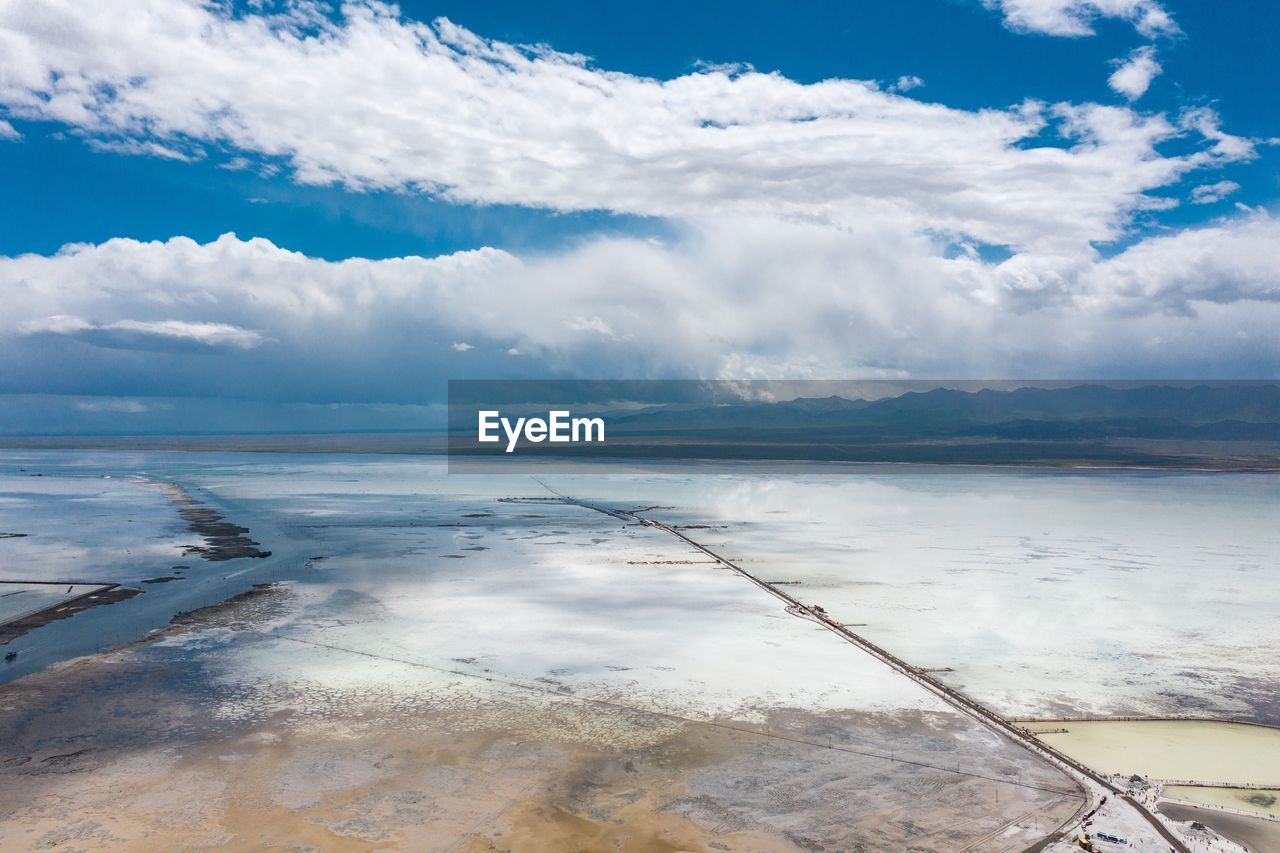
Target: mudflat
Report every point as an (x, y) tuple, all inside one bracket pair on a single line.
[(169, 756)]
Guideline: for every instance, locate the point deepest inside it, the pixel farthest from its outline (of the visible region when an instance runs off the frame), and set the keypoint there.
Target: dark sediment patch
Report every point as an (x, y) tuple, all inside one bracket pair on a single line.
[(107, 594), (239, 611), (13, 535), (223, 540), (162, 579)]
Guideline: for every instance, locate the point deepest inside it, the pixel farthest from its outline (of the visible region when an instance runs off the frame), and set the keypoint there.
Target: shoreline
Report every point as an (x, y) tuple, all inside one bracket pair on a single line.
[(1124, 454)]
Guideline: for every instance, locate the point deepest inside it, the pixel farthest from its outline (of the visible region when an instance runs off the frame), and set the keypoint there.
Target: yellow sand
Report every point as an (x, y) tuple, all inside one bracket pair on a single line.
[(1236, 798), (1198, 750)]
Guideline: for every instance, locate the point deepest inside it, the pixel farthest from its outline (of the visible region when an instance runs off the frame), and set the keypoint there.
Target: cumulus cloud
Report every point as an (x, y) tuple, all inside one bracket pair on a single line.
[(731, 299), (158, 335), (8, 132), (370, 100), (1210, 193), (1076, 17), (820, 230), (1134, 74), (1227, 264), (906, 83)]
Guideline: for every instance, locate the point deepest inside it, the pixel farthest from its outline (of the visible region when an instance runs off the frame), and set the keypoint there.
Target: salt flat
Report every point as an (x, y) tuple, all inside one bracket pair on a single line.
[(460, 657), (1045, 593), (449, 666)]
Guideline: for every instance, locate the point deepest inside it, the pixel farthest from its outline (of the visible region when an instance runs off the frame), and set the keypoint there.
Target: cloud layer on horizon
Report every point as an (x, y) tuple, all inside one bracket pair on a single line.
[(731, 299)]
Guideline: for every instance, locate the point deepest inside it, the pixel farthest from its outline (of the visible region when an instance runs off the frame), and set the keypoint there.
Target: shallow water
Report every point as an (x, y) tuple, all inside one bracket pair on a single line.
[(1042, 592), (1182, 750), (83, 523), (93, 517), (1252, 800)]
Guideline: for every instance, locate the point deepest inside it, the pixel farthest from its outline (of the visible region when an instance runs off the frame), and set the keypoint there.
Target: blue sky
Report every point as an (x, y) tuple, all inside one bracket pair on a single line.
[(966, 56), (804, 189)]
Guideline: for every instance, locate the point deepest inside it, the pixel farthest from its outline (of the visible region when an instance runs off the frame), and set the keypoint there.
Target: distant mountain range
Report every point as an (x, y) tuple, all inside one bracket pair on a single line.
[(1204, 412), (1215, 426)]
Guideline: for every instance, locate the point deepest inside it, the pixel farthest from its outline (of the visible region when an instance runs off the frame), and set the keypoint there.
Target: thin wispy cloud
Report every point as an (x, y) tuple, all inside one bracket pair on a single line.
[(117, 406), (158, 335), (1210, 193)]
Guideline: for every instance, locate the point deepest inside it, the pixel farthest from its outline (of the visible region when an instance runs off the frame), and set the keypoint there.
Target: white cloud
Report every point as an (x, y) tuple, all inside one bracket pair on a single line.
[(1134, 75), (375, 101), (1210, 193), (733, 299), (591, 324), (131, 407), (1226, 147), (832, 229), (1228, 264), (141, 147), (1076, 17), (8, 132), (144, 335), (906, 83)]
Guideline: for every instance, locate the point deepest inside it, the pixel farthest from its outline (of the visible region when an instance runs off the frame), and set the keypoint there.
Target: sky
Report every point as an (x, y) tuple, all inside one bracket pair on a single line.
[(270, 216)]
